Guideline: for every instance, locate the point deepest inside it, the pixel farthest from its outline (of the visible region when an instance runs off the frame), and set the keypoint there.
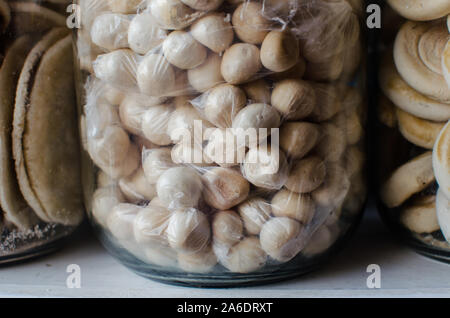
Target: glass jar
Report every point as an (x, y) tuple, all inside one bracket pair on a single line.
[(224, 140), (41, 200), (413, 112)]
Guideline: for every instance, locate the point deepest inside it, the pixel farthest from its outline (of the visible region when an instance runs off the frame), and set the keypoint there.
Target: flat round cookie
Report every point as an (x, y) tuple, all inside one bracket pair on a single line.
[(15, 208), (51, 142), (20, 108), (421, 10), (28, 17), (446, 63), (408, 99), (418, 131), (418, 52), (441, 160)]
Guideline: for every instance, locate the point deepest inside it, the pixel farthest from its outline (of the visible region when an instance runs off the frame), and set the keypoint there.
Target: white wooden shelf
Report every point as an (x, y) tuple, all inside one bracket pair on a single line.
[(403, 273)]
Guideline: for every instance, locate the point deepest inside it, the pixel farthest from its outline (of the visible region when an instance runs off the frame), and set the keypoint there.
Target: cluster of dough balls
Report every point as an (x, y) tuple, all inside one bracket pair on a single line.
[(160, 69), (415, 109)]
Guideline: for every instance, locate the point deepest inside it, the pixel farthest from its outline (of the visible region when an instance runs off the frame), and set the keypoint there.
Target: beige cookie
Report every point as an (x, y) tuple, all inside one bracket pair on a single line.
[(441, 160), (418, 50), (50, 137), (420, 215), (443, 213), (22, 95), (12, 202), (410, 178), (420, 132), (446, 63), (408, 99), (421, 10)]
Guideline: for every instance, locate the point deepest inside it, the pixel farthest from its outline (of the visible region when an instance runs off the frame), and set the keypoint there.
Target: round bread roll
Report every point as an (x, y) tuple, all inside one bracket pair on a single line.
[(155, 122), (224, 188), (190, 155), (182, 125), (156, 162), (130, 112), (183, 51), (117, 68), (320, 241), (255, 117), (227, 228), (99, 117), (203, 5), (245, 257), (111, 148), (265, 167), (223, 103), (136, 188), (334, 189), (420, 215), (150, 225), (296, 206), (441, 160), (121, 219), (421, 10), (155, 76), (103, 202), (249, 23), (213, 31), (160, 255), (258, 91), (240, 63), (332, 143), (197, 262), (418, 53), (110, 31), (124, 168), (254, 213), (298, 138), (173, 14), (124, 6), (306, 175), (443, 213), (207, 75), (281, 238), (293, 98), (408, 99), (144, 34), (188, 230), (328, 103), (222, 148), (411, 178), (280, 51), (420, 132), (179, 187)]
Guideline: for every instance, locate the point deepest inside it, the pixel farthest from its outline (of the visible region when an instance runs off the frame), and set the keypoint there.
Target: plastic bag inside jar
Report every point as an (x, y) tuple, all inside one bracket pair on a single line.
[(190, 201)]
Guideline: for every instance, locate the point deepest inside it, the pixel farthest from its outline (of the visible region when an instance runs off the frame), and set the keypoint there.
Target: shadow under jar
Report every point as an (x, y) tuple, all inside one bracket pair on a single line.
[(41, 201), (224, 140), (413, 113)]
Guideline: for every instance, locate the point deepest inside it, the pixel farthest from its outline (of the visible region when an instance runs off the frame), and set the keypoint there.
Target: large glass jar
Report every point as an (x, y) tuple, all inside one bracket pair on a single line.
[(41, 200), (413, 112), (224, 140)]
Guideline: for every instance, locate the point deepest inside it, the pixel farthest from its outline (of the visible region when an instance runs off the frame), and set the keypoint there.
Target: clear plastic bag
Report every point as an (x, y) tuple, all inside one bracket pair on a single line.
[(223, 132)]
